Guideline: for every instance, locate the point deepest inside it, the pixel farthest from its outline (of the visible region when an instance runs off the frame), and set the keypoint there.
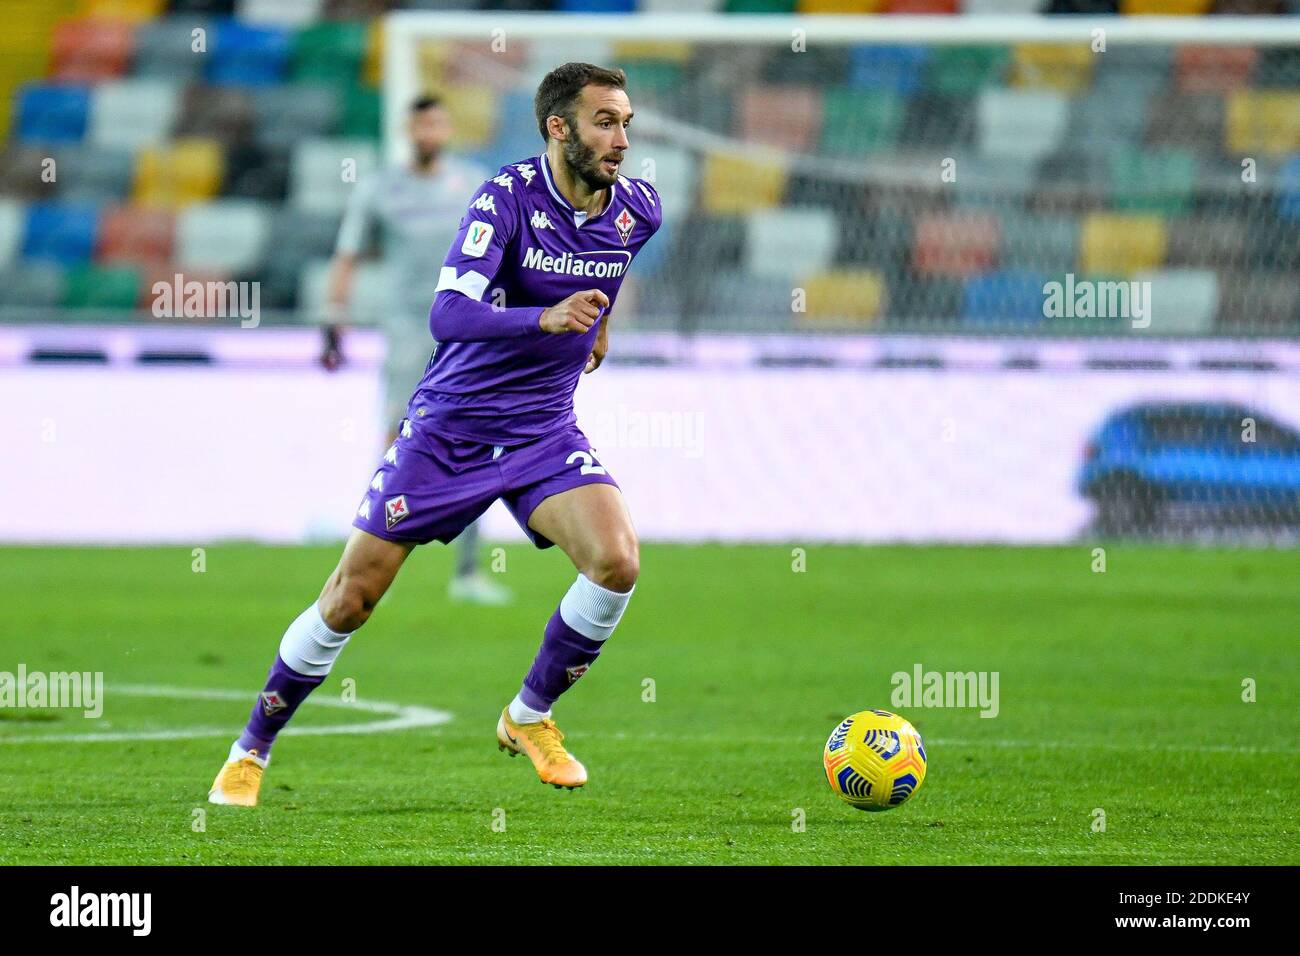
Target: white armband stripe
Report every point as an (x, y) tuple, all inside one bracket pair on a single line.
[(472, 284)]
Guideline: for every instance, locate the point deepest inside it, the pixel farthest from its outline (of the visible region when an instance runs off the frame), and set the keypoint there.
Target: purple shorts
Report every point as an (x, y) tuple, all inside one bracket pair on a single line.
[(430, 486)]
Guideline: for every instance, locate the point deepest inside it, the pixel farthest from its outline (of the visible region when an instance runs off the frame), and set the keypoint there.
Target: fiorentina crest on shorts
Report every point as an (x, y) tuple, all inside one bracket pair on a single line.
[(272, 702), (576, 672), (395, 510), (625, 224)]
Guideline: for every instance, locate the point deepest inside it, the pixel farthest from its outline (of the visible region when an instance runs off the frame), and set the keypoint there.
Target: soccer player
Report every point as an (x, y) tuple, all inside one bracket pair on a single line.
[(416, 208), (522, 310)]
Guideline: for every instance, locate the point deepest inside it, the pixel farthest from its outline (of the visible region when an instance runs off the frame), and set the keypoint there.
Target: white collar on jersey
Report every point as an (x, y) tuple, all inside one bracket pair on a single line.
[(579, 217)]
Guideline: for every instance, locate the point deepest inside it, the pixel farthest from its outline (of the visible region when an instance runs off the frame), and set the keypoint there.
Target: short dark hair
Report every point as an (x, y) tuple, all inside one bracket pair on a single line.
[(560, 89), (425, 101)]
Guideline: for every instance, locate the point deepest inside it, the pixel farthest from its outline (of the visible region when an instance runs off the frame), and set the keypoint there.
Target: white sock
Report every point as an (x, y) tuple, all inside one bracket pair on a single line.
[(521, 713), (591, 610), (239, 753), (309, 646)]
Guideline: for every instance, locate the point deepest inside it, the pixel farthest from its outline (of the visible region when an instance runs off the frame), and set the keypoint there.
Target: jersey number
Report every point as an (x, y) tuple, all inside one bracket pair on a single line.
[(586, 458)]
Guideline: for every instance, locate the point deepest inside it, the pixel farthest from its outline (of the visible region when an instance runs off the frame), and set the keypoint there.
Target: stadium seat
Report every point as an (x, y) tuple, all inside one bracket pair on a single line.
[(92, 174), (842, 298), (12, 220), (1206, 240), (897, 68), (1164, 8), (290, 112), (924, 300), (732, 184), (1252, 301), (214, 112), (1182, 301), (1005, 297), (672, 170), (228, 235), (944, 7), (839, 6), (22, 169), (789, 242), (1213, 69), (53, 114), (1152, 181), (1263, 121), (1021, 123), (752, 302), (1121, 244), (965, 70), (788, 117), (164, 48), (1040, 243), (1001, 7), (287, 13), (881, 240), (955, 244), (516, 132), (183, 172), (316, 171), (86, 50), (90, 286), (329, 52), (1288, 190), (32, 285), (257, 172), (1065, 67), (1096, 127), (370, 297), (60, 232), (362, 114), (859, 122), (596, 6), (129, 114), (246, 55), (136, 234), (1186, 120), (473, 114), (134, 11), (991, 183), (758, 6)]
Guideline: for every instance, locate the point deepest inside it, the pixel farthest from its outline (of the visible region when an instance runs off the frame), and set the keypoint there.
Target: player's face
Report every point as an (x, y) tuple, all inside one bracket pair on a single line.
[(430, 129), (594, 151)]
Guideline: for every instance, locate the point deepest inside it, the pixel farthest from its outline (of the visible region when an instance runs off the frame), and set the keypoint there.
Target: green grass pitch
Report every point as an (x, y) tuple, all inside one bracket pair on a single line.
[(1119, 690)]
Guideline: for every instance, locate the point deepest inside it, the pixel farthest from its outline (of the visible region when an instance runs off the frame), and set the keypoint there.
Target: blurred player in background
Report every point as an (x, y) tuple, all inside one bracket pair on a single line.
[(415, 208), (521, 312)]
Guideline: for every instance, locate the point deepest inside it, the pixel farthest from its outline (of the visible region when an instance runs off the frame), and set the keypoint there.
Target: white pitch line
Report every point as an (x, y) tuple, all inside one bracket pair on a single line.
[(403, 717)]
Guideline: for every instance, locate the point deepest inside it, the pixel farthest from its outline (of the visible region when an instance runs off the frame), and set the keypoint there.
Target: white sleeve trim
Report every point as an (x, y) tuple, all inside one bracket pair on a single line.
[(472, 284)]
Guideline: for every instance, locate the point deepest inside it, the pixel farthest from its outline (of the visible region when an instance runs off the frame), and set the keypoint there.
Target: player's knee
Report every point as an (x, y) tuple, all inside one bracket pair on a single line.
[(347, 602), (616, 567)]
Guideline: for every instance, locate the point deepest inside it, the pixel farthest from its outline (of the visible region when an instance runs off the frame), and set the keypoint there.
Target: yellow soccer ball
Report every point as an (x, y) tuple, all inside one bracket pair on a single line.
[(874, 760)]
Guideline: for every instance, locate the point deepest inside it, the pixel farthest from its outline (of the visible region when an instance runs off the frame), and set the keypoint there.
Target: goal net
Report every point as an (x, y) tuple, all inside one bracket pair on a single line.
[(1058, 254)]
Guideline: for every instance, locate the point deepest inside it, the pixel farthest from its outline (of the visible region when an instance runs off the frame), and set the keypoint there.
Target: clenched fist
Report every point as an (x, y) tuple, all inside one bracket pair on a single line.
[(577, 313)]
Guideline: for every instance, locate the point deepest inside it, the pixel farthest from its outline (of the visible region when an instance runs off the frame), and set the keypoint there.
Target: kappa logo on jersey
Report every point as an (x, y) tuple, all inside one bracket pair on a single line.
[(377, 482), (648, 194), (576, 672), (395, 510), (541, 221), (477, 238), (272, 702), (406, 428), (486, 202), (363, 510), (626, 184), (526, 170), (625, 224), (506, 181), (390, 456)]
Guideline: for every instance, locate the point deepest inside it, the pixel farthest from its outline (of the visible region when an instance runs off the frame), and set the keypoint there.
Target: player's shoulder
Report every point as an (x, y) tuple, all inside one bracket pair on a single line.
[(642, 196), (506, 188)]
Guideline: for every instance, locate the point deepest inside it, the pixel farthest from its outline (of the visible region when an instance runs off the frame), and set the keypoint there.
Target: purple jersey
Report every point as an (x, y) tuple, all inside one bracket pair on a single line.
[(522, 248)]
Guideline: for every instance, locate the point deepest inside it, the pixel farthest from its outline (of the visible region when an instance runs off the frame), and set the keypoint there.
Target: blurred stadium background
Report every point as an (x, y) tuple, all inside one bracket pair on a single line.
[(839, 334)]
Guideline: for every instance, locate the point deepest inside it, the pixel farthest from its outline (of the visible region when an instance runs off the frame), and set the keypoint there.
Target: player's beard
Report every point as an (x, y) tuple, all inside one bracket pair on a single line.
[(427, 156), (584, 163)]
